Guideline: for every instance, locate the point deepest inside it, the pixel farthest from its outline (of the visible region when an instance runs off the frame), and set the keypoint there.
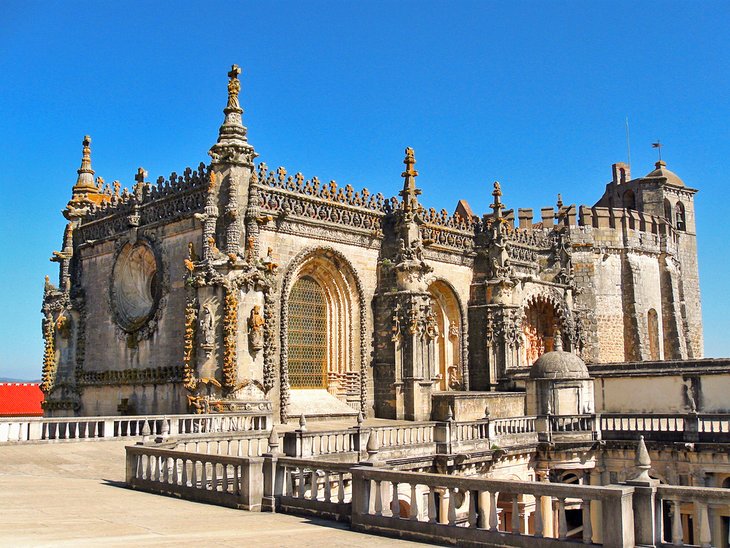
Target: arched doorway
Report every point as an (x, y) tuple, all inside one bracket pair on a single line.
[(307, 344), (449, 341)]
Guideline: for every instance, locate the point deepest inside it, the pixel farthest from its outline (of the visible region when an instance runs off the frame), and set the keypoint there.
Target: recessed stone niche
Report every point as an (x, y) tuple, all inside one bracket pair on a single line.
[(135, 286)]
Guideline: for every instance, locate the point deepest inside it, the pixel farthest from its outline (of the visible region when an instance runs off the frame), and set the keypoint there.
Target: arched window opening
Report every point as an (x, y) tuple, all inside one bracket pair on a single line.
[(653, 325), (668, 211), (307, 342), (629, 199), (448, 342), (681, 223), (538, 330)]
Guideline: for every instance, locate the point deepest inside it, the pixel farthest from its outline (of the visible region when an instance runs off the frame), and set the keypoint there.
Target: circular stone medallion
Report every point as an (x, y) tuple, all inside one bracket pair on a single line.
[(135, 286)]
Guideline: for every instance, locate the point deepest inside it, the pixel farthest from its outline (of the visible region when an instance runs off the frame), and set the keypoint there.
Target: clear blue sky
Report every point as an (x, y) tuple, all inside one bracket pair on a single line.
[(533, 94)]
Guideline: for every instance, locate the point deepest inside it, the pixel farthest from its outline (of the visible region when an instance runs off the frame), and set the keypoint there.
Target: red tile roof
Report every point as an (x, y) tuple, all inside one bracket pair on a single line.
[(20, 399)]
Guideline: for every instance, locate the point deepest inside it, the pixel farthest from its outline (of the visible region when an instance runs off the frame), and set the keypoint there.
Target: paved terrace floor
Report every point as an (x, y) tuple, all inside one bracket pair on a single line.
[(71, 494)]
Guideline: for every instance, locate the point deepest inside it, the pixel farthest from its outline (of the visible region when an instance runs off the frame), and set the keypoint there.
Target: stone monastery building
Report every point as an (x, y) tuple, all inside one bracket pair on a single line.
[(235, 286)]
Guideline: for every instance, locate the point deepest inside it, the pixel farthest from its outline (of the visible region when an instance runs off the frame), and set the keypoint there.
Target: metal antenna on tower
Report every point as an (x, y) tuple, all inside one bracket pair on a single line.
[(628, 142)]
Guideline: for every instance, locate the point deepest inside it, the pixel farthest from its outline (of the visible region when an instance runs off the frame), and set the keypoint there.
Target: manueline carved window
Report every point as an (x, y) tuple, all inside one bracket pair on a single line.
[(307, 335)]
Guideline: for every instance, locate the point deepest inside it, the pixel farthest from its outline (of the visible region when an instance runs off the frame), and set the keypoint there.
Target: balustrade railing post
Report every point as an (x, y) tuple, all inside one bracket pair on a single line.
[(618, 517), (691, 427), (274, 486)]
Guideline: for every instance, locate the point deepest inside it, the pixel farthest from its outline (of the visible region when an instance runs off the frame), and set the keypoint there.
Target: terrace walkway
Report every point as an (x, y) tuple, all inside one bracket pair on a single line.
[(71, 494)]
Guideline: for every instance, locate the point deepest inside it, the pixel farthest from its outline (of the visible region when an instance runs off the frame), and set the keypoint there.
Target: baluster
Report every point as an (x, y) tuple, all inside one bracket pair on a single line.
[(703, 523), (394, 504), (414, 503), (204, 474), (378, 499), (301, 486), (451, 515), (539, 527), (515, 515), (174, 474), (473, 518), (150, 468), (286, 476), (185, 472), (587, 525), (341, 488), (677, 532), (562, 523), (327, 487), (493, 517), (432, 505), (214, 476), (313, 485), (237, 480), (225, 478)]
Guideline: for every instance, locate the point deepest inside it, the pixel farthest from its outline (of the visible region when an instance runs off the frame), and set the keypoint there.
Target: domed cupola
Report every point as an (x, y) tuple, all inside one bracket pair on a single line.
[(559, 365), (661, 172)]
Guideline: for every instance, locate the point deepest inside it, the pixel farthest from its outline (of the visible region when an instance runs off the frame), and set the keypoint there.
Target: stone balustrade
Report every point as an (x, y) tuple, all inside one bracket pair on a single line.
[(89, 428), (302, 486), (513, 425), (217, 479), (301, 443), (239, 444), (452, 509), (404, 435), (703, 502), (690, 427)]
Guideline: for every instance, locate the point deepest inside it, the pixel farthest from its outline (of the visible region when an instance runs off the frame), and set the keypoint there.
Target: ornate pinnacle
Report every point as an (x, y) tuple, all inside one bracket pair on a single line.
[(85, 179), (232, 145), (497, 205), (410, 192)]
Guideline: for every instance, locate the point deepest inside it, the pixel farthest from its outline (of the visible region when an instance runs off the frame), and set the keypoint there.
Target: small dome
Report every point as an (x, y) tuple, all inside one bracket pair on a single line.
[(661, 172), (559, 365)]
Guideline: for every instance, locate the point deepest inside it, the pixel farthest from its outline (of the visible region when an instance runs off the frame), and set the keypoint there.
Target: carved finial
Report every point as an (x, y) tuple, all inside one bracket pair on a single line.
[(642, 461), (449, 414), (410, 192), (359, 418), (497, 204), (303, 423), (560, 202), (234, 88), (273, 440), (558, 341)]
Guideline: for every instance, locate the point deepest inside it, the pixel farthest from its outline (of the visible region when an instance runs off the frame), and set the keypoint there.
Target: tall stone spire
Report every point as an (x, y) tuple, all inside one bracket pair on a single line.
[(85, 180), (85, 192), (410, 193), (232, 145)]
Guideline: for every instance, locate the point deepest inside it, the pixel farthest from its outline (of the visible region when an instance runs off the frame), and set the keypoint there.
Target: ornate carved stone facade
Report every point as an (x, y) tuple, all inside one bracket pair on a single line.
[(176, 295)]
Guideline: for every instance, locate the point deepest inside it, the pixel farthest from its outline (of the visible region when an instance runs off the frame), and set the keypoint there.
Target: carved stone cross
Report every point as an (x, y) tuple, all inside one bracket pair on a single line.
[(234, 72)]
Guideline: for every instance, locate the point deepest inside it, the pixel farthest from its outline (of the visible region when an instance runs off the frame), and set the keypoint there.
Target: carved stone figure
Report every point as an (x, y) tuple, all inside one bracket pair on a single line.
[(256, 329), (207, 330)]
